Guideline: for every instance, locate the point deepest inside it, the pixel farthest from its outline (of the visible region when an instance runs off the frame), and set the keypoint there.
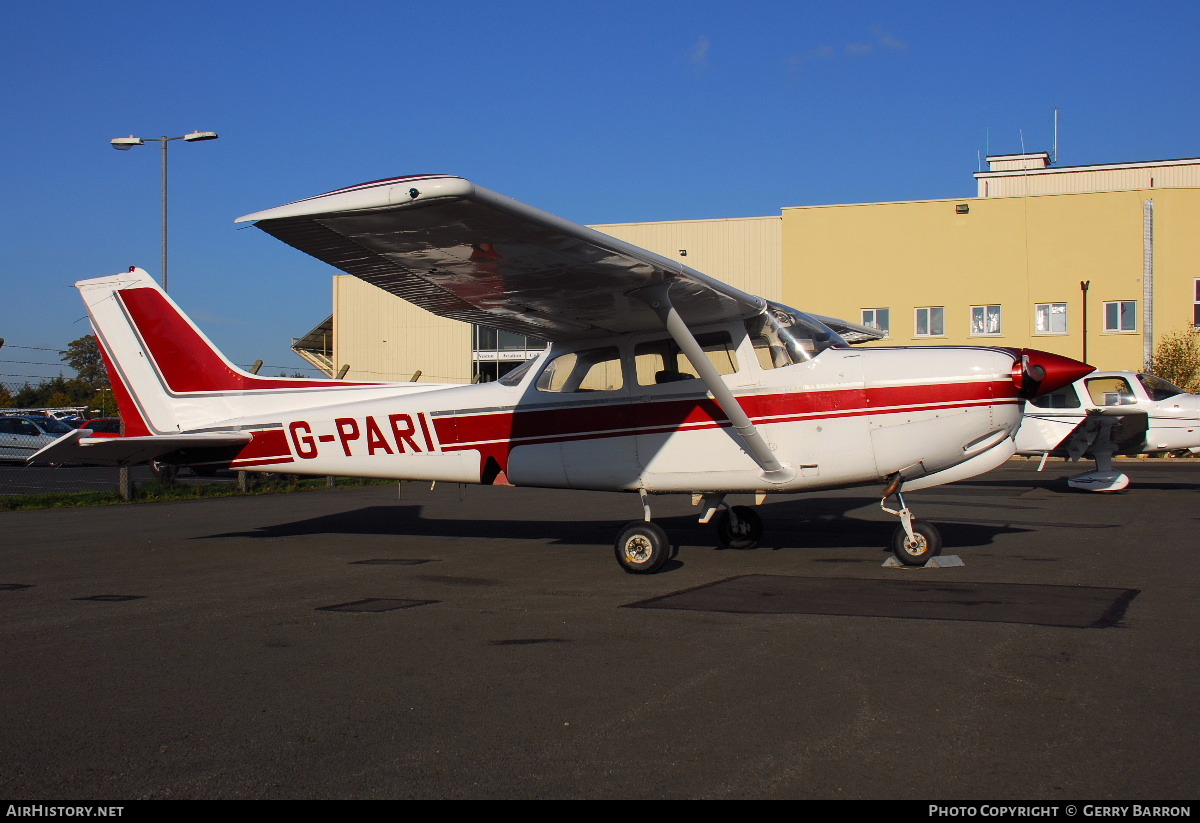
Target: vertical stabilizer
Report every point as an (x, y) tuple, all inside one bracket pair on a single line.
[(167, 376)]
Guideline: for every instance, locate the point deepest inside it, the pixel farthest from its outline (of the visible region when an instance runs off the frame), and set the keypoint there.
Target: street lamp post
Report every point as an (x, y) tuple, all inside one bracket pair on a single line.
[(127, 143)]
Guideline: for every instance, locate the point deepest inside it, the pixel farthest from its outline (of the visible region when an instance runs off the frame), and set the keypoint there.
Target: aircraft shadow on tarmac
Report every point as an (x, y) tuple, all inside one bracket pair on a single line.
[(816, 523)]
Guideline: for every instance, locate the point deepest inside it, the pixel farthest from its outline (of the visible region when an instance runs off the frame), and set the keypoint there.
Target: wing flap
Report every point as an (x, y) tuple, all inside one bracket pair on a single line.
[(77, 447)]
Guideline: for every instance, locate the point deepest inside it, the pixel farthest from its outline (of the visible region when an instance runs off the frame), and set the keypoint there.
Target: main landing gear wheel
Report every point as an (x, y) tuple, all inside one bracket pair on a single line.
[(928, 543), (642, 548), (165, 472), (746, 534)]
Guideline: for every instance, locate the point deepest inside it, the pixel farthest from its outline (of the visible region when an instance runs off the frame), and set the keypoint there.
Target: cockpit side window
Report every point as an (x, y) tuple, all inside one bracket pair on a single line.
[(660, 361), (1110, 391)]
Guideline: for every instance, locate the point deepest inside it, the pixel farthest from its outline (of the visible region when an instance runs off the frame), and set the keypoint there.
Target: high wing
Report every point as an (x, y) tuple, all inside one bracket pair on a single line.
[(465, 252)]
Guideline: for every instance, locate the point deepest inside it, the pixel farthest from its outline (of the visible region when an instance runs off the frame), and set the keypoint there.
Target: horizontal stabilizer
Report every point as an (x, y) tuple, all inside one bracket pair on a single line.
[(78, 447)]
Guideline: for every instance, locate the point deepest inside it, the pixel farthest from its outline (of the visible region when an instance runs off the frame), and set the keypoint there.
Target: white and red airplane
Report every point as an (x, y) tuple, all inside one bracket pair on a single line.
[(658, 379), (1106, 414)]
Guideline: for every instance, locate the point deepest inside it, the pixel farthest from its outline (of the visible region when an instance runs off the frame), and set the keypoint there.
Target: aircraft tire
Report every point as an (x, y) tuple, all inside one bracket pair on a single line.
[(165, 472), (749, 533), (642, 548), (929, 544)]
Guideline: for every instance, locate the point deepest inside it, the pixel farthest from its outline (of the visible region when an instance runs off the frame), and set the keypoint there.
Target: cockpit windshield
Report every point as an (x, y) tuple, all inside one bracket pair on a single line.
[(792, 333)]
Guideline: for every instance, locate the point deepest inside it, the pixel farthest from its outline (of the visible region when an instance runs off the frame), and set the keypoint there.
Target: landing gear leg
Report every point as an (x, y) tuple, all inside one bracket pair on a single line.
[(643, 547), (914, 542)]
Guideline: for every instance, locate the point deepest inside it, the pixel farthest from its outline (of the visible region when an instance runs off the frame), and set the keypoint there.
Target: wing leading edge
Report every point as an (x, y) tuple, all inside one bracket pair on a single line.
[(468, 253)]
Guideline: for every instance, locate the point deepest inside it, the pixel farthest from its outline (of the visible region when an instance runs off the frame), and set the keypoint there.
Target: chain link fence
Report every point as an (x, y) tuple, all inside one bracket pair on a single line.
[(18, 479)]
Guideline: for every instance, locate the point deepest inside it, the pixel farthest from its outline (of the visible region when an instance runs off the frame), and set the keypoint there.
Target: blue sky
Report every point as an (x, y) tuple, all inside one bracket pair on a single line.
[(608, 112)]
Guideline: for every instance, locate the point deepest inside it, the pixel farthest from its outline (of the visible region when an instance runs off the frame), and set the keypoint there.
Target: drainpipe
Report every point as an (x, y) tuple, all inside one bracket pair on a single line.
[(1084, 285)]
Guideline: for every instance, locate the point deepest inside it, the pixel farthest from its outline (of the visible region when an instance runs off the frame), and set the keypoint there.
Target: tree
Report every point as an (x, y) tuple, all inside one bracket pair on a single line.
[(83, 355), (1177, 359), (6, 398)]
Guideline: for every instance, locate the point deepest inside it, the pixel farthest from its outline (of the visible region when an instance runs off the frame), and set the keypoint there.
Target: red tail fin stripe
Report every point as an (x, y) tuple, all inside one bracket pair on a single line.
[(131, 416), (186, 360)]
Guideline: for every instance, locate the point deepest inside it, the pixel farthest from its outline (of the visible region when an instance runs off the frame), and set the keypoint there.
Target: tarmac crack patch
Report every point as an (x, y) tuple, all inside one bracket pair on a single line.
[(1077, 607), (378, 604)]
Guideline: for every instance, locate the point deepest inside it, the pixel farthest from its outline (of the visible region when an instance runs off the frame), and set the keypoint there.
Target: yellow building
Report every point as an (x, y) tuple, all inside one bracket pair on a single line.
[(1042, 254), (1013, 269)]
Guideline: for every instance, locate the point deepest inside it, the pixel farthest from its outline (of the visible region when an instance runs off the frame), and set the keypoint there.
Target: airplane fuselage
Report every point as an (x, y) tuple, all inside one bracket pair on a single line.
[(847, 417)]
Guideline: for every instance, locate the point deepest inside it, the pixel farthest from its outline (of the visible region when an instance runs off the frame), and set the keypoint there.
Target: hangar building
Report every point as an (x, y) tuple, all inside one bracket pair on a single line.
[(1095, 262)]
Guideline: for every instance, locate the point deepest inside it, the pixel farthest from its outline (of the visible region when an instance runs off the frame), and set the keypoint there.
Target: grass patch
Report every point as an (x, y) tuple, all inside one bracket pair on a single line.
[(154, 491)]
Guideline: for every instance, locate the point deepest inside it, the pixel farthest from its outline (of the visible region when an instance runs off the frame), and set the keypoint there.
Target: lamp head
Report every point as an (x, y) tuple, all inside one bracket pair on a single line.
[(200, 135), (127, 143)]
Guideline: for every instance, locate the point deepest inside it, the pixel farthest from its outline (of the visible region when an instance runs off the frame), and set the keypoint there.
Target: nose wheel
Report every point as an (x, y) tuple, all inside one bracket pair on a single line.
[(925, 542), (915, 541)]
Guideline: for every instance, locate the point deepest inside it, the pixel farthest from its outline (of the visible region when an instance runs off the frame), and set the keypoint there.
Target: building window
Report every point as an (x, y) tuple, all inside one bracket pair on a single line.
[(495, 353), (931, 321), (881, 319), (1050, 318), (985, 320), (1196, 303), (1120, 316)]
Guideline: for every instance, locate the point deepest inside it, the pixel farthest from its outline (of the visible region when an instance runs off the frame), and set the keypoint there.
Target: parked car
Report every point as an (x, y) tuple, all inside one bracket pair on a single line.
[(103, 426), (23, 435)]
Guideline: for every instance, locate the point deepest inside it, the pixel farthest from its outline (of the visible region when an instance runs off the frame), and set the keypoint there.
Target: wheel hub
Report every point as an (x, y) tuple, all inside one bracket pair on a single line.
[(637, 549)]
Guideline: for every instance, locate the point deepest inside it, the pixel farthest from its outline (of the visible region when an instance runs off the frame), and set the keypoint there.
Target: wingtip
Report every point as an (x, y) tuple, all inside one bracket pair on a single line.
[(392, 191)]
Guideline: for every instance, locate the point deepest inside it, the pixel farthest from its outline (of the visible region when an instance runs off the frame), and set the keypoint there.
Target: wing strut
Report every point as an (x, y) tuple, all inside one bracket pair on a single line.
[(773, 471)]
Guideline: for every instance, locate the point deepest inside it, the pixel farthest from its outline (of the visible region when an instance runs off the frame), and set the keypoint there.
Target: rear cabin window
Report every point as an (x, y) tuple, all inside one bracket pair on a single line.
[(583, 371), (1159, 389), (661, 361)]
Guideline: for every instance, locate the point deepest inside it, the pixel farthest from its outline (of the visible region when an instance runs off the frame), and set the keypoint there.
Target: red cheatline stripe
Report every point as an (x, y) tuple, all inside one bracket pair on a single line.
[(546, 425)]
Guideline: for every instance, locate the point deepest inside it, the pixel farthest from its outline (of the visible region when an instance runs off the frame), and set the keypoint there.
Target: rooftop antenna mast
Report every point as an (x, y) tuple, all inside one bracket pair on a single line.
[(1054, 152)]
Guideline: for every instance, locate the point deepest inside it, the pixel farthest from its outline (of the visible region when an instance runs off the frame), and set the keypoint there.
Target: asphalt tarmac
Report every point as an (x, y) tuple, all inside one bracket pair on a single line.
[(471, 642)]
